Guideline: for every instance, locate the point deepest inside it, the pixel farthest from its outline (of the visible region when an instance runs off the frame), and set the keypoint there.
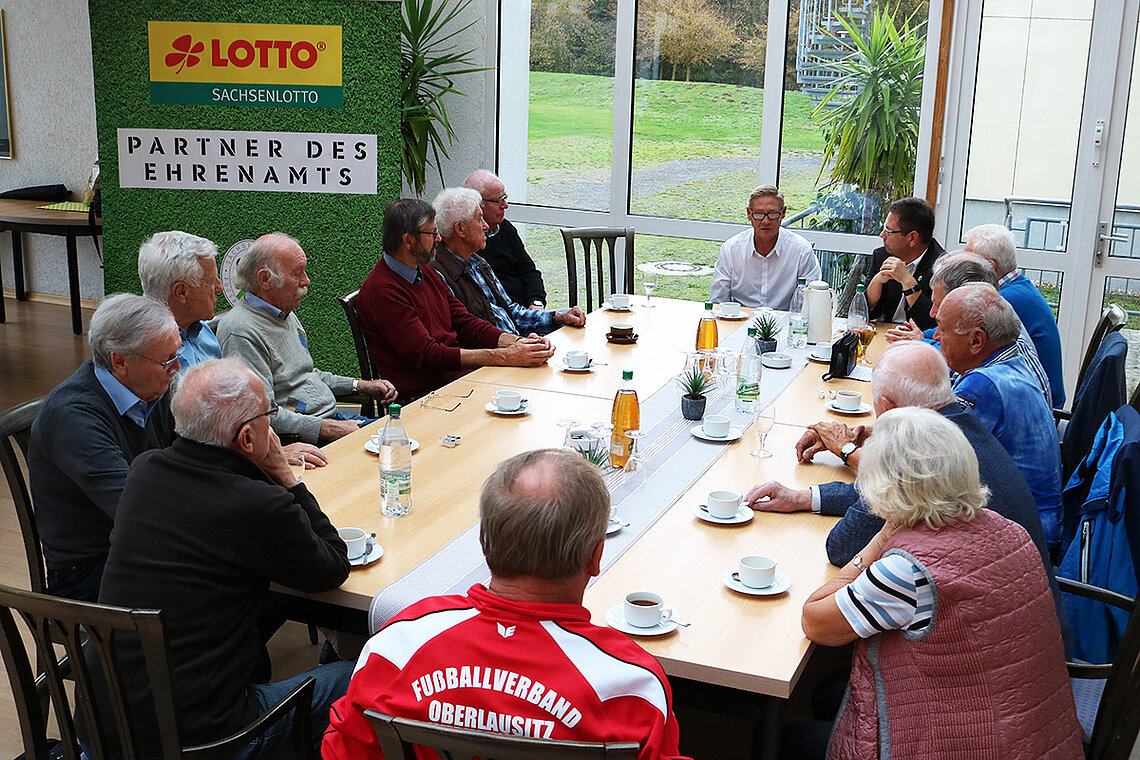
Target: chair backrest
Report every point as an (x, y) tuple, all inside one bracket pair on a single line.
[(1118, 714), (1111, 319), (363, 358), (15, 429), (1134, 402), (399, 737), (593, 240)]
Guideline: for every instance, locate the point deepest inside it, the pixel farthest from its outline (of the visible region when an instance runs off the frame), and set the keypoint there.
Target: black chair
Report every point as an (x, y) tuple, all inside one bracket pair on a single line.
[(15, 428), (399, 737), (592, 240), (1111, 319), (1117, 715), (84, 628), (363, 358)]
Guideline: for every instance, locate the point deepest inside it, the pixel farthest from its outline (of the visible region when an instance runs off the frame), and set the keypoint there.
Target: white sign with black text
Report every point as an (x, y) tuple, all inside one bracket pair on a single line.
[(286, 162)]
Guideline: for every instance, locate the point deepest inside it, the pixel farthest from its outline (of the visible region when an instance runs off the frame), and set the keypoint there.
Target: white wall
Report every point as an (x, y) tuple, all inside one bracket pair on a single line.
[(53, 129)]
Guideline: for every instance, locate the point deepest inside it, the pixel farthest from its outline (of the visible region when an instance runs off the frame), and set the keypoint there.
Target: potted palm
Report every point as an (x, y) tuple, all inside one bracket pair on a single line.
[(695, 383), (767, 330)]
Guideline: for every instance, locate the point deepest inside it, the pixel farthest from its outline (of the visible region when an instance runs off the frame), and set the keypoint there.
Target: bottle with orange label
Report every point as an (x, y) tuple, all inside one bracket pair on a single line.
[(626, 416)]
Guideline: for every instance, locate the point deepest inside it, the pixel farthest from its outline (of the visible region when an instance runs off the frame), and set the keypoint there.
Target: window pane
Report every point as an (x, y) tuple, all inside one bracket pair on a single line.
[(843, 73), (556, 102), (1027, 109), (1048, 281), (1126, 219), (698, 98), (1125, 292)]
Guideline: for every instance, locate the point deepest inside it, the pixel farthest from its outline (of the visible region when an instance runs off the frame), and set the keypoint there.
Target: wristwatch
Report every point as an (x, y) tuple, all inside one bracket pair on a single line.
[(355, 385), (847, 450), (912, 291)]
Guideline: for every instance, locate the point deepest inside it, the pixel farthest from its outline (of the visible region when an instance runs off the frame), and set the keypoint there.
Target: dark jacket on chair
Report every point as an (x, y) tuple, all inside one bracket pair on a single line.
[(1103, 390)]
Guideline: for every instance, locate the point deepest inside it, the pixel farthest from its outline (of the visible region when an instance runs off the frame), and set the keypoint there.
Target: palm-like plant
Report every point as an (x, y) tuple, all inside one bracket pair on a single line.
[(873, 135), (428, 67)]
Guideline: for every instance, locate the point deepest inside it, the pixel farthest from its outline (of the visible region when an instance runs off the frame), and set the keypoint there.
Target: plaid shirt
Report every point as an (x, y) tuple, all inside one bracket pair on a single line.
[(512, 318)]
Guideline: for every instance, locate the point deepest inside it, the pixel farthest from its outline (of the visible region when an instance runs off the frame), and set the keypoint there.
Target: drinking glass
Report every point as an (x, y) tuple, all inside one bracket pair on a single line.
[(635, 461), (568, 424), (726, 368), (649, 282), (764, 420)]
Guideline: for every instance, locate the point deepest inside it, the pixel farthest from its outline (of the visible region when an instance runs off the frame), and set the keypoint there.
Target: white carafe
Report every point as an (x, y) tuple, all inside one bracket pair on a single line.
[(819, 307)]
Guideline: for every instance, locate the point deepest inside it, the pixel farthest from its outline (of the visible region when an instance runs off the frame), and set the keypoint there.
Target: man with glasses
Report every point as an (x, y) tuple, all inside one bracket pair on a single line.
[(420, 335), (205, 525), (898, 282), (760, 266), (91, 428), (505, 251)]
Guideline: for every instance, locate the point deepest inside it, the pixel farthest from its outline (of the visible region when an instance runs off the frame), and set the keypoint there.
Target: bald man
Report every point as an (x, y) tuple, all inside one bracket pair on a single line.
[(505, 251)]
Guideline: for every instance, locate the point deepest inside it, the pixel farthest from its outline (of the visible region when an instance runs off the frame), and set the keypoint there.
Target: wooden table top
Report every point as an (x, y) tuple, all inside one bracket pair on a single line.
[(27, 212)]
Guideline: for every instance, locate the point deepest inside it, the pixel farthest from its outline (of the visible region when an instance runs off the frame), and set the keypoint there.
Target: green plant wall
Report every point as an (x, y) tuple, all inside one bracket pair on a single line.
[(340, 233)]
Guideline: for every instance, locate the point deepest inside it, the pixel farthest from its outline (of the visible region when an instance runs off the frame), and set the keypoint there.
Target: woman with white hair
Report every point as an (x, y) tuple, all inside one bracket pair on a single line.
[(958, 649)]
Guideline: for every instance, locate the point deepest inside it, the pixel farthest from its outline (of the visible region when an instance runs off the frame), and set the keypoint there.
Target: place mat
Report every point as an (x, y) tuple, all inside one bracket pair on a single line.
[(673, 460)]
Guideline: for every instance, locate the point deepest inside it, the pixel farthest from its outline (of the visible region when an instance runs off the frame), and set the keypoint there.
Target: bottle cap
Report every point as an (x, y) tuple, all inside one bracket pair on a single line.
[(627, 374), (860, 288), (802, 280), (393, 410), (708, 305)]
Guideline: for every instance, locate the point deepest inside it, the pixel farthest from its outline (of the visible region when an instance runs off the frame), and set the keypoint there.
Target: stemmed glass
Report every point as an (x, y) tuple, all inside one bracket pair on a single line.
[(764, 420), (649, 282), (635, 461), (726, 368), (568, 424)]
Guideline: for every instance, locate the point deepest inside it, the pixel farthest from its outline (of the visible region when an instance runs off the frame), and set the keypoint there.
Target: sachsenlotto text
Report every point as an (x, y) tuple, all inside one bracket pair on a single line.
[(268, 65)]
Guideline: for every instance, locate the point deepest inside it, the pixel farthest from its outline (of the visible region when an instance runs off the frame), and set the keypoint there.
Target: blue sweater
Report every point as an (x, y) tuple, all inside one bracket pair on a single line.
[(1038, 319)]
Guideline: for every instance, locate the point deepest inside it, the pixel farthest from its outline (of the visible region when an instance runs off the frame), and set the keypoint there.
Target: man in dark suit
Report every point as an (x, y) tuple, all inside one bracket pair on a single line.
[(898, 285)]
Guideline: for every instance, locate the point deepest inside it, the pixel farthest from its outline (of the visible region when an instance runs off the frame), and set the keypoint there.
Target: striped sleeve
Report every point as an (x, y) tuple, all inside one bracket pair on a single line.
[(892, 594)]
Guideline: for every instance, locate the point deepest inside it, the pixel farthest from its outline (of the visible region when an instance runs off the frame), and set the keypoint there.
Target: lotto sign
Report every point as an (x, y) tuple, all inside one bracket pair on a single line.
[(274, 65)]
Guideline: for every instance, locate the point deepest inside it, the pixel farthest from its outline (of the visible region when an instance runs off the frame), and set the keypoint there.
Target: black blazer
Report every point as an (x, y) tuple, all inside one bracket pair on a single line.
[(892, 291)]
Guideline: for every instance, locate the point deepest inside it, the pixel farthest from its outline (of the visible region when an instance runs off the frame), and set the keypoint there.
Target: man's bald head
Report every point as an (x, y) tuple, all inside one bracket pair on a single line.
[(911, 373)]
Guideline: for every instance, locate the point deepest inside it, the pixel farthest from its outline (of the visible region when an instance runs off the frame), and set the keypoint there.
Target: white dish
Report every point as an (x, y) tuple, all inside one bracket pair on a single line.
[(741, 315), (577, 370), (614, 527), (610, 307), (864, 408), (375, 552), (780, 584), (615, 618), (743, 514), (814, 358), (524, 408), (776, 360), (374, 448), (734, 434)]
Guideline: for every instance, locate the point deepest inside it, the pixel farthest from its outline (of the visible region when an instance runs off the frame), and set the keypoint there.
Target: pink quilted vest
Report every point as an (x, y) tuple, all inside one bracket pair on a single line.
[(986, 679)]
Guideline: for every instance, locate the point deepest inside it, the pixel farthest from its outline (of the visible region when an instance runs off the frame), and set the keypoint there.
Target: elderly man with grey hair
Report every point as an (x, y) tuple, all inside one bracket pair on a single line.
[(459, 221), (205, 525), (542, 524), (977, 330), (996, 244), (505, 251), (263, 329), (181, 270), (91, 428)]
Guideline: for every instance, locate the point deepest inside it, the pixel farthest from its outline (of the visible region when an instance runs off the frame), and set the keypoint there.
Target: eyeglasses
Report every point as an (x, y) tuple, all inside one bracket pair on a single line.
[(166, 365), (501, 200), (425, 402), (432, 233), (758, 215), (273, 409), (889, 231)]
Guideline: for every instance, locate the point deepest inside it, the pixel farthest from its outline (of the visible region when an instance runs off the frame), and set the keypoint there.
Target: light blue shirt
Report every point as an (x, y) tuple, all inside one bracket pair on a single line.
[(411, 274), (127, 404), (265, 306), (198, 344)]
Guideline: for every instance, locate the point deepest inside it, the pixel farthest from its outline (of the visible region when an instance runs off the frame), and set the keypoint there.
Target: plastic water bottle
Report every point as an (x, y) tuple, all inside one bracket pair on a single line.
[(395, 466), (752, 345), (797, 320), (747, 381)]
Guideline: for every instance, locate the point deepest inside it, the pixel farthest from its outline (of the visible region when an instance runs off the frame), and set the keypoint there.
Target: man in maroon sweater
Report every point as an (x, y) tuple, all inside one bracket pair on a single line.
[(420, 336)]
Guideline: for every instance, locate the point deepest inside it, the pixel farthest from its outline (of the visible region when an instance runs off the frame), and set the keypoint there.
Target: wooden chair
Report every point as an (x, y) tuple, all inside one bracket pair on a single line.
[(15, 428), (363, 358), (1111, 319), (85, 628), (1117, 721), (399, 737), (592, 240)]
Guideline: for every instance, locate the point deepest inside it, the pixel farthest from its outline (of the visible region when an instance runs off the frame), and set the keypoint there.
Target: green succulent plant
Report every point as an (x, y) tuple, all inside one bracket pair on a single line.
[(767, 327), (599, 456), (695, 382)]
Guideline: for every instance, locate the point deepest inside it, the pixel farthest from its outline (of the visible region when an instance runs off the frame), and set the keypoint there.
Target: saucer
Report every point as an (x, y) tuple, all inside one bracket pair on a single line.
[(576, 370), (743, 514), (524, 408), (814, 358), (614, 527), (735, 317), (610, 307), (374, 448), (780, 584), (615, 618), (375, 552), (621, 341), (864, 408), (734, 434)]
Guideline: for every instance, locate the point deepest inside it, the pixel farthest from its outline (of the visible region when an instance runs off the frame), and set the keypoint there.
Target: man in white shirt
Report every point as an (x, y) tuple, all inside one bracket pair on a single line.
[(759, 267)]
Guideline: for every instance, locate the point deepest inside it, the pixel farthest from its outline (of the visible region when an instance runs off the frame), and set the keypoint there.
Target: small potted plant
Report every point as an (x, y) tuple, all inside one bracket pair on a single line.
[(695, 382), (767, 330)]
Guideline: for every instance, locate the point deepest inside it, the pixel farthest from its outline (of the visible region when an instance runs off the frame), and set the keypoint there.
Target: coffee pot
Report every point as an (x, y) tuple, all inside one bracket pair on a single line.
[(820, 305)]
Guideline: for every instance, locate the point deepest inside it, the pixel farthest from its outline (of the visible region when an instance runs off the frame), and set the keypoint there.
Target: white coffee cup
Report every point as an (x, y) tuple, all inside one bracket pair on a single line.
[(723, 504), (356, 539), (716, 425), (507, 400), (822, 350), (578, 359), (756, 571), (644, 609), (619, 300), (849, 400), (730, 309)]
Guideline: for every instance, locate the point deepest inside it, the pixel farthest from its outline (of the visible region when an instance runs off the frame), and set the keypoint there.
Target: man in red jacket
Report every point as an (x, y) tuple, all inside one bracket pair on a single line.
[(520, 655), (419, 335)]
